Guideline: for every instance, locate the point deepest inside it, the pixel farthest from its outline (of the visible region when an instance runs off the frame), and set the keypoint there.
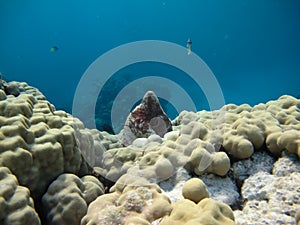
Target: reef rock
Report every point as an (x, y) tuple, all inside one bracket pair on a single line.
[(146, 119), (270, 199), (286, 165), (260, 161)]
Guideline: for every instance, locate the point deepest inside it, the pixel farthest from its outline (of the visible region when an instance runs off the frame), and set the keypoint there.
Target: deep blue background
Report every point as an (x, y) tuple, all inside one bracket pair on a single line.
[(252, 46)]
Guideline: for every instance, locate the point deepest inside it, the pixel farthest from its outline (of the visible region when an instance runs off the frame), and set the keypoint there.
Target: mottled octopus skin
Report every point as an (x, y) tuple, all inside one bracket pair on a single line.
[(146, 119)]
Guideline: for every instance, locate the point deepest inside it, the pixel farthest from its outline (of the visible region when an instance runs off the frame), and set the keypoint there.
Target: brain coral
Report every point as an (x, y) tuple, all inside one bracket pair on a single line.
[(16, 206), (68, 197)]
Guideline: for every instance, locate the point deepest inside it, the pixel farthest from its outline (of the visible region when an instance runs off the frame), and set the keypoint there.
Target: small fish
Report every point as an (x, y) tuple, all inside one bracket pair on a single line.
[(53, 49), (189, 46)]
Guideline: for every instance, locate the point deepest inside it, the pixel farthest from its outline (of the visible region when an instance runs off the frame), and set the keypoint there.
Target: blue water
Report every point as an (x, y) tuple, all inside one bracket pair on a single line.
[(252, 47)]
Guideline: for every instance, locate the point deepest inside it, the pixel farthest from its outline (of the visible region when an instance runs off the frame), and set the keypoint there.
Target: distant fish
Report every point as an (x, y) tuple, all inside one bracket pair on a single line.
[(189, 46), (54, 49)]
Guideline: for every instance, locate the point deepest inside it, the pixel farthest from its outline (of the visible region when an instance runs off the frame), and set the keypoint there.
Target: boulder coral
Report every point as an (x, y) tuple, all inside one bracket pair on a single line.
[(244, 129), (195, 190), (16, 205), (159, 162), (67, 198), (198, 208), (206, 212), (37, 139), (133, 201)]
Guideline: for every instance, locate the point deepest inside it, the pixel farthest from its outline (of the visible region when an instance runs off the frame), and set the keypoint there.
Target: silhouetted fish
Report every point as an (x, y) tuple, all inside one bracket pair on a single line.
[(189, 46)]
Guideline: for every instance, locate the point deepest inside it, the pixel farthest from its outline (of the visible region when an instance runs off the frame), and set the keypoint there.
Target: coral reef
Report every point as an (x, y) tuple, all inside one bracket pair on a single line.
[(246, 129), (206, 212), (259, 162), (40, 141), (133, 201), (158, 162), (272, 198), (16, 205), (197, 208), (245, 159), (67, 198), (158, 159), (194, 190)]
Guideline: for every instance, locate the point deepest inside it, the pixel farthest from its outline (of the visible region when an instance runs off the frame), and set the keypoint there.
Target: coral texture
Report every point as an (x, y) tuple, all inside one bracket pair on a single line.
[(16, 205), (68, 197), (194, 190), (197, 207), (242, 129), (206, 212), (133, 201), (40, 141), (158, 159), (271, 198)]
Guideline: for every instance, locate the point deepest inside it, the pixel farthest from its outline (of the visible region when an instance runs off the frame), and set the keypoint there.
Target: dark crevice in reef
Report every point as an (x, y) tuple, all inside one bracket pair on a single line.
[(239, 204), (265, 149), (239, 181), (40, 210), (106, 182)]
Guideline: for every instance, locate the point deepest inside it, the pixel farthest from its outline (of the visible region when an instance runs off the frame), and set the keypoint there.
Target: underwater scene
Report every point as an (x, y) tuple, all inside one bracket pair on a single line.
[(161, 112)]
